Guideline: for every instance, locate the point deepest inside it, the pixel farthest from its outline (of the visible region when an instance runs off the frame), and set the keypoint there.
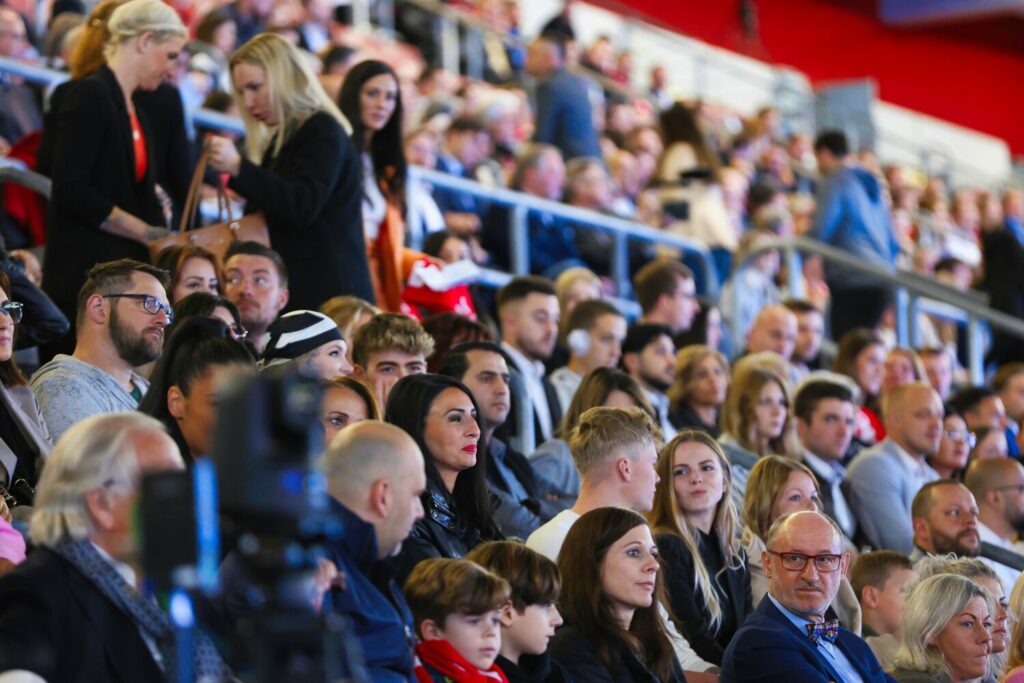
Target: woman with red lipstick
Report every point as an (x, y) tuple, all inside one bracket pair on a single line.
[(24, 439), (302, 171), (946, 632), (442, 417), (372, 101), (613, 632), (695, 524)]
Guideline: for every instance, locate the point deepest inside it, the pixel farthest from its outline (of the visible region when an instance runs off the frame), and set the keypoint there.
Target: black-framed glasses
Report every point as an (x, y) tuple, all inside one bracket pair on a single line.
[(796, 562), (150, 304), (13, 310), (969, 438), (1019, 488), (238, 332)]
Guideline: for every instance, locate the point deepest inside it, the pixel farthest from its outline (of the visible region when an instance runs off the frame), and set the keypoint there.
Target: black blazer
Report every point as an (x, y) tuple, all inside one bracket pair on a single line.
[(1004, 282), (578, 657), (55, 623), (311, 195), (93, 171), (688, 604)]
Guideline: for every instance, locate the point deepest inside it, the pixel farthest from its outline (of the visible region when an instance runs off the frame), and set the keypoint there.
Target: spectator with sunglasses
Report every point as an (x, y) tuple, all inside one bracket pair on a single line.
[(122, 313), (24, 439)]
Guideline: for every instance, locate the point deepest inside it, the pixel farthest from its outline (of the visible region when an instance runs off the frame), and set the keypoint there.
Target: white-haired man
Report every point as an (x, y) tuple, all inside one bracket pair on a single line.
[(73, 610)]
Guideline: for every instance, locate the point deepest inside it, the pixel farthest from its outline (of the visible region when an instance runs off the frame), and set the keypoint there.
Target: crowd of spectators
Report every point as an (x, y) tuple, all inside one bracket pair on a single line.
[(533, 485)]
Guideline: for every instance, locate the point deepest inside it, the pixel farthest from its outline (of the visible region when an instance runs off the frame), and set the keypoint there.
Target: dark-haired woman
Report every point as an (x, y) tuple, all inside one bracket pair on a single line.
[(211, 306), (613, 632), (371, 100), (24, 438), (198, 358), (442, 417)]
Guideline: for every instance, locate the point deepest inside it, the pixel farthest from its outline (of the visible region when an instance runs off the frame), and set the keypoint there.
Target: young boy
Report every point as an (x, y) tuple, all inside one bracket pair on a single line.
[(457, 607), (880, 581), (529, 620)]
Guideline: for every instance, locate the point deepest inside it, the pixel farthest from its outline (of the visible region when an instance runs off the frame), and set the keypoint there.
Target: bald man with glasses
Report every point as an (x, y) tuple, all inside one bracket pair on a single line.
[(998, 488), (788, 637)]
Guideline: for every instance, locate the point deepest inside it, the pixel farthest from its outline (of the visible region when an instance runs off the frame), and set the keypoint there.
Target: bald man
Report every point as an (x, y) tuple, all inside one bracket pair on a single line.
[(375, 477), (883, 480), (774, 329), (998, 488)]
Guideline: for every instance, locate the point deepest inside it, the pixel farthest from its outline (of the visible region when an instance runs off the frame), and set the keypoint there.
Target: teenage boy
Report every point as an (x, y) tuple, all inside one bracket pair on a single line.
[(531, 616)]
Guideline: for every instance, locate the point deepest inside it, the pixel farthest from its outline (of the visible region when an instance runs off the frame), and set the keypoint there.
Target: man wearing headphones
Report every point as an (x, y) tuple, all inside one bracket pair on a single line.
[(593, 334)]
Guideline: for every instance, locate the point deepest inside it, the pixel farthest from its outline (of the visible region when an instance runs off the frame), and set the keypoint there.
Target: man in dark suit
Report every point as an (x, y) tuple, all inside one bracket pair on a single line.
[(564, 115), (787, 637), (825, 410), (73, 611)]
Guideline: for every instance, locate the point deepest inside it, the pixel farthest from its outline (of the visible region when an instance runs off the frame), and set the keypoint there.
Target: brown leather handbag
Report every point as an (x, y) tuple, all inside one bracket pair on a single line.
[(218, 236)]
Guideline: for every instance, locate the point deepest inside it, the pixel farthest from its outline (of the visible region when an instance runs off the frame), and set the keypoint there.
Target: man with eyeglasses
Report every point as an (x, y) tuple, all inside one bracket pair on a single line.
[(787, 638), (998, 488), (122, 313), (667, 294), (945, 519)]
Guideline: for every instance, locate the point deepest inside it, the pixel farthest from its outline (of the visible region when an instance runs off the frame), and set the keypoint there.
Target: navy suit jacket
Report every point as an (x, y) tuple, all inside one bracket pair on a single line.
[(770, 648)]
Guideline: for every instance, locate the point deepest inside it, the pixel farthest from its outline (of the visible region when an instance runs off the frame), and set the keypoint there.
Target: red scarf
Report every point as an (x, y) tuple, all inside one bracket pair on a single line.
[(440, 656)]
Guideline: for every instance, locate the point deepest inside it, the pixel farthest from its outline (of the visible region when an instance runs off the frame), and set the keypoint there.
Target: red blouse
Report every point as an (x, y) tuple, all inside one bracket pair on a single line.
[(139, 145)]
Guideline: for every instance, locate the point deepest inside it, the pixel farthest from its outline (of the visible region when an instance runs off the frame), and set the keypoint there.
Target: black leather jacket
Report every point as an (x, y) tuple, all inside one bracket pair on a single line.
[(443, 532)]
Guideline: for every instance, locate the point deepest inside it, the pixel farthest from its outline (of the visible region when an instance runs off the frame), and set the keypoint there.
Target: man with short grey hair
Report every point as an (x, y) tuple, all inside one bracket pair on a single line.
[(787, 637), (73, 610)]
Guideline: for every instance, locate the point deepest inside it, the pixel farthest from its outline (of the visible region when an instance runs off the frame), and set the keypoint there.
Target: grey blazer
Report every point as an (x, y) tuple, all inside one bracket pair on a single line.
[(21, 403), (880, 491)]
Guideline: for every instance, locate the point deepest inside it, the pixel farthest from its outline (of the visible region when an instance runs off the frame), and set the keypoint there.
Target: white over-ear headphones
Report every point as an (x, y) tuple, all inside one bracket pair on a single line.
[(578, 342)]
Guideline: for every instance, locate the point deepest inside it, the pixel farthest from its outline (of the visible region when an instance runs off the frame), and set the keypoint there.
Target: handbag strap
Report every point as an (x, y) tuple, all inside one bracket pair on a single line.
[(188, 214)]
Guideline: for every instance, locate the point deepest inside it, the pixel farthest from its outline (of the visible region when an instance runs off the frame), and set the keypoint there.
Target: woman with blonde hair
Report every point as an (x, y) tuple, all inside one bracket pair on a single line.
[(779, 486), (945, 634), (104, 203), (302, 171), (755, 421), (1015, 663), (695, 526), (698, 393)]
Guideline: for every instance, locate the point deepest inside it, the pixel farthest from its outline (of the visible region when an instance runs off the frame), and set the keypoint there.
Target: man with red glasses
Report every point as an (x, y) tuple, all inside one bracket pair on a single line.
[(788, 637), (122, 313)]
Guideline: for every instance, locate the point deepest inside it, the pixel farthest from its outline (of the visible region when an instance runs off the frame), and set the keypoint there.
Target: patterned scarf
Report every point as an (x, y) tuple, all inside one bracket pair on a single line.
[(147, 615)]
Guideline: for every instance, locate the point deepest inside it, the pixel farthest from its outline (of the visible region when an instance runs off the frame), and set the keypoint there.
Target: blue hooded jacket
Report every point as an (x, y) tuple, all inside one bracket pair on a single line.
[(382, 623), (853, 216)]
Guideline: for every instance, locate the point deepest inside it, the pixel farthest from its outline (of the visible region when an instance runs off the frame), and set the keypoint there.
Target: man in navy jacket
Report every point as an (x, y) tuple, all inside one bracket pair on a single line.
[(787, 637), (375, 476)]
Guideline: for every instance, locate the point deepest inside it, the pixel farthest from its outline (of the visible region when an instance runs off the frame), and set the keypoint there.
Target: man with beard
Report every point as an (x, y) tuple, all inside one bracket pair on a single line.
[(527, 500), (883, 480), (945, 519), (787, 637), (529, 314), (257, 282), (998, 488), (122, 313), (649, 357)]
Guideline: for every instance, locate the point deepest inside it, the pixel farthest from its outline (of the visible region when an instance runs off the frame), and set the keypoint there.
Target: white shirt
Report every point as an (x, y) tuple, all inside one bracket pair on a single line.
[(833, 474), (375, 207), (1007, 575), (660, 403), (548, 540), (565, 382), (533, 378)]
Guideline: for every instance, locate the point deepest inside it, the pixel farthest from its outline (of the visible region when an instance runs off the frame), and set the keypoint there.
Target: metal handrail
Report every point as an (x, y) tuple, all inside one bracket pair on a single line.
[(19, 174), (622, 230), (914, 293)]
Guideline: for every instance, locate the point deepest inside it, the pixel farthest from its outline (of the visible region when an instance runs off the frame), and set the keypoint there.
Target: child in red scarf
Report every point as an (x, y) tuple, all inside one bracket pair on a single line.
[(457, 607)]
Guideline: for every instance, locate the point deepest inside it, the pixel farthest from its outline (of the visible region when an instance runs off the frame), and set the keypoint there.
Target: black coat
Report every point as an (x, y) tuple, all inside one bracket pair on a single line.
[(533, 669), (93, 171), (443, 532), (311, 196), (55, 623), (578, 657), (688, 604), (1004, 282)]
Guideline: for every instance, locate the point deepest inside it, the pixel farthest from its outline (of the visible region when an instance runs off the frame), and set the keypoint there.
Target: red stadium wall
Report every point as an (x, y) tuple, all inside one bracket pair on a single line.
[(968, 73)]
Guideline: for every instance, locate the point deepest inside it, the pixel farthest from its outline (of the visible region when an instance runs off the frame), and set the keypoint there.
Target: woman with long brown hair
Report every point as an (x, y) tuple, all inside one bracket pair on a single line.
[(612, 631)]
